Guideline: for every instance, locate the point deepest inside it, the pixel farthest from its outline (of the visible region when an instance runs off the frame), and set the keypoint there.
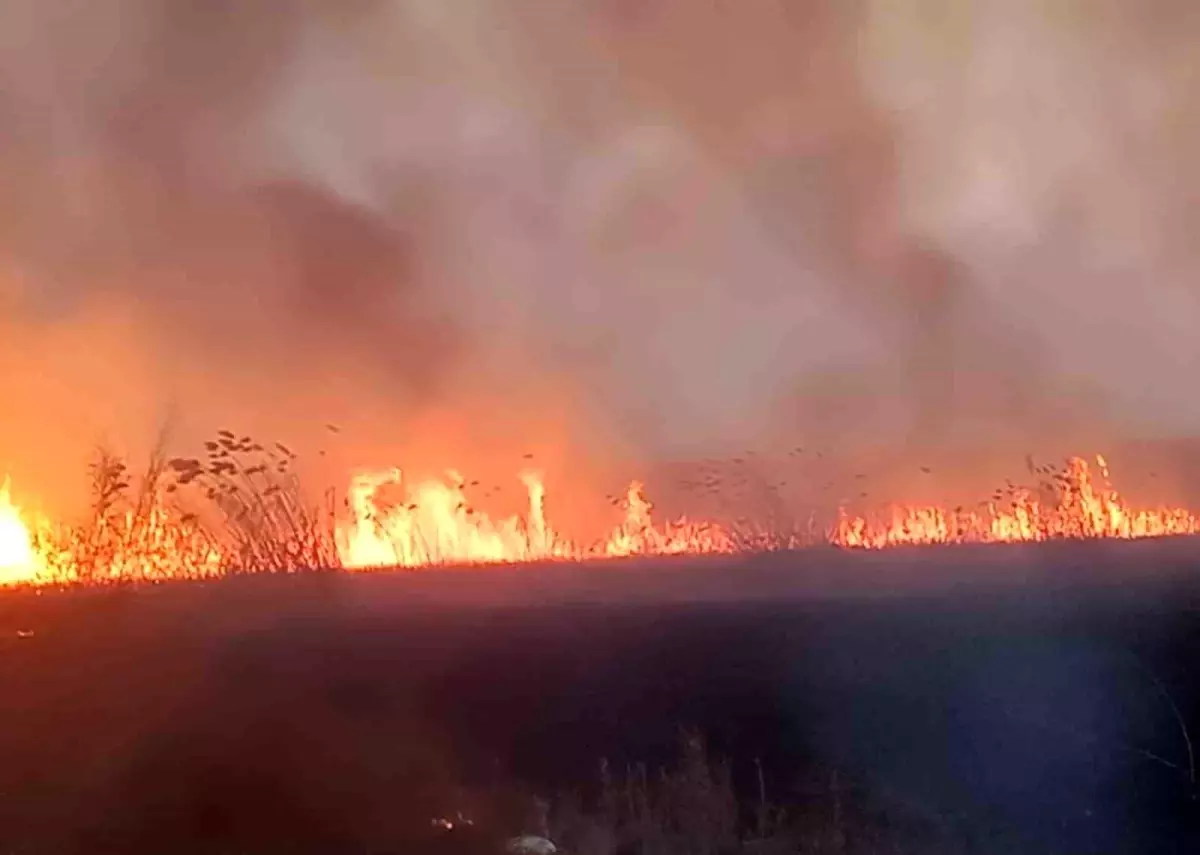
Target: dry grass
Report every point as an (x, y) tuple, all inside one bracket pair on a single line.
[(250, 499), (693, 808), (239, 509), (131, 533)]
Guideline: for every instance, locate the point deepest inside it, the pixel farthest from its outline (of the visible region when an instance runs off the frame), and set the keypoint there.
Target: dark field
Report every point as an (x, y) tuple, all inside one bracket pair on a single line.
[(1005, 700)]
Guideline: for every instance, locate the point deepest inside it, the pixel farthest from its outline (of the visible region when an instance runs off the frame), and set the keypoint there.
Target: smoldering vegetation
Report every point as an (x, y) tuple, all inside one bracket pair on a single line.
[(646, 230)]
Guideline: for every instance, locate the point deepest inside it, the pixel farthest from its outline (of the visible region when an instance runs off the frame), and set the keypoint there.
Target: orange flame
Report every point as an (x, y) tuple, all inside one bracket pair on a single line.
[(19, 561), (436, 525), (637, 535), (1073, 504)]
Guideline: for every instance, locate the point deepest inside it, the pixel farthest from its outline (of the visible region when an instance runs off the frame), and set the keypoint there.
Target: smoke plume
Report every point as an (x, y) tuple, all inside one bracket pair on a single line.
[(655, 228)]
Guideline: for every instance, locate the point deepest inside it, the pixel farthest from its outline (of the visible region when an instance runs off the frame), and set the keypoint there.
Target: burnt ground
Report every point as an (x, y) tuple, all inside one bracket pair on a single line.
[(970, 699)]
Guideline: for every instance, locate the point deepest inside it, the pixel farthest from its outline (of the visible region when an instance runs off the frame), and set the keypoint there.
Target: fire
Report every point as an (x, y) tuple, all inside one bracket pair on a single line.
[(251, 517), (436, 524), (1075, 502), (637, 535), (19, 560)]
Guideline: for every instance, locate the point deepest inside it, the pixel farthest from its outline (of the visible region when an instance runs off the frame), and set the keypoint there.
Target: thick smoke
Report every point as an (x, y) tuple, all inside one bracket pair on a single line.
[(651, 228)]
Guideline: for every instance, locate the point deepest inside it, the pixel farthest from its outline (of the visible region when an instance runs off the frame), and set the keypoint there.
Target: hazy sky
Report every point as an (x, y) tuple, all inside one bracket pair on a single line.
[(649, 227)]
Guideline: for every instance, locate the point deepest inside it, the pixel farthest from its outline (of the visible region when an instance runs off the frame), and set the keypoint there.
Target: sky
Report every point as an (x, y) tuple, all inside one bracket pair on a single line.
[(594, 230)]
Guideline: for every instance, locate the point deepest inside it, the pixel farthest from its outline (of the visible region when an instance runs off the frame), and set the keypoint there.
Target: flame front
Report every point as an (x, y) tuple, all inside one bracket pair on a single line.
[(19, 561), (391, 521), (436, 525), (1074, 503)]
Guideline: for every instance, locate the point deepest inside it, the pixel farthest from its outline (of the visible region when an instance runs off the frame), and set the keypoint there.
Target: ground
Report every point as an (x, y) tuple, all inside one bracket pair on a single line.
[(967, 699)]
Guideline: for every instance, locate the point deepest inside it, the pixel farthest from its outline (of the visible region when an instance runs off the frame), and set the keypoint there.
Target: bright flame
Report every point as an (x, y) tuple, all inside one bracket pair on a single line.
[(19, 561), (251, 526), (436, 524), (637, 535), (150, 544), (1073, 503)]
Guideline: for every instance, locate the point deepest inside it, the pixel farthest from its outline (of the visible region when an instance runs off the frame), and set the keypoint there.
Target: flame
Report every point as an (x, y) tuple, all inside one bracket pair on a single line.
[(19, 561), (1074, 503), (148, 544), (637, 535), (433, 523), (436, 524)]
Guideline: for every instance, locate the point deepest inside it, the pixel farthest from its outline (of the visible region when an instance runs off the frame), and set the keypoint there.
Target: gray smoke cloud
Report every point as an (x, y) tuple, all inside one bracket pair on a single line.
[(685, 227)]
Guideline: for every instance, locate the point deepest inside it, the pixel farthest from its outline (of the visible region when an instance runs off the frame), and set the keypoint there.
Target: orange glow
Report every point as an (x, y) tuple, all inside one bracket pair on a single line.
[(149, 544), (436, 524), (18, 559), (1074, 502), (244, 519)]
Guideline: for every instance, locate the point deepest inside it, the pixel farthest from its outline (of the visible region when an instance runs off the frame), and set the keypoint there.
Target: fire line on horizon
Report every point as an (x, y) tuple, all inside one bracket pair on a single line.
[(436, 525)]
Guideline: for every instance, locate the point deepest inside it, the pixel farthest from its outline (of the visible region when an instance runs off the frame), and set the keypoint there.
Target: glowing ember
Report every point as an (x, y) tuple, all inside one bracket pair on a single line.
[(18, 560), (1070, 503)]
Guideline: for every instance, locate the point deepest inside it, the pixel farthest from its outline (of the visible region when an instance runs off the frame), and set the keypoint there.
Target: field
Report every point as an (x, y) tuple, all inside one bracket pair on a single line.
[(987, 698)]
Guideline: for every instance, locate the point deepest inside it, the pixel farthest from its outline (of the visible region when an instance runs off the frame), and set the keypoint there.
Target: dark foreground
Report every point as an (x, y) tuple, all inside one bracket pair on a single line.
[(962, 700)]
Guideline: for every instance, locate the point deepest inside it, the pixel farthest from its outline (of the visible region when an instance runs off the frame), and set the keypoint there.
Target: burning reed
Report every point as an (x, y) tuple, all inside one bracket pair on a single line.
[(241, 508), (1073, 501)]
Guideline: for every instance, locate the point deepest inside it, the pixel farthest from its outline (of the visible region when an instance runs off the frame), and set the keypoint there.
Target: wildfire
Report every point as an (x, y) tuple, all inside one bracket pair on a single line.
[(18, 558), (1071, 503), (436, 524), (253, 519)]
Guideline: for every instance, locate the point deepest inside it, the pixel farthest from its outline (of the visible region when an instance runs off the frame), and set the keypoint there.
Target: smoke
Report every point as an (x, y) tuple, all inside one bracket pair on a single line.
[(652, 229), (1047, 147)]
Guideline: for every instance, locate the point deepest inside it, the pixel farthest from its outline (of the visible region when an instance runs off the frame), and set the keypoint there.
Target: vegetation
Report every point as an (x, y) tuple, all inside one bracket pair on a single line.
[(256, 509), (692, 807), (241, 508)]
